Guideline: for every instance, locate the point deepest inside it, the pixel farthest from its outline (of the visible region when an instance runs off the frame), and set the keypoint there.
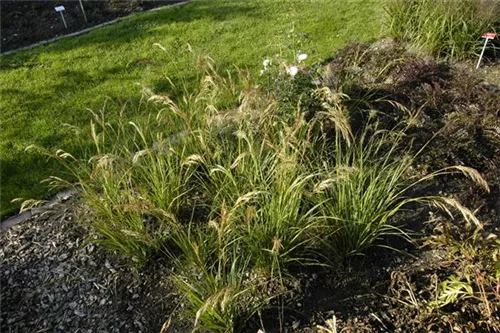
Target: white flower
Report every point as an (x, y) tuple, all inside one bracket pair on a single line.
[(262, 72), (292, 70), (302, 57), (266, 62), (316, 82)]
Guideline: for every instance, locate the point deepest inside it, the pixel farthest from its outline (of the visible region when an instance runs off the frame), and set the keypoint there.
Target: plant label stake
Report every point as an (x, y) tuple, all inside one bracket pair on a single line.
[(83, 11), (487, 36), (60, 9)]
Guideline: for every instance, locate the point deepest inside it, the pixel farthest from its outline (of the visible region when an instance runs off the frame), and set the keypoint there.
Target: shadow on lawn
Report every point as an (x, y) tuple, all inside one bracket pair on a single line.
[(21, 172), (14, 186)]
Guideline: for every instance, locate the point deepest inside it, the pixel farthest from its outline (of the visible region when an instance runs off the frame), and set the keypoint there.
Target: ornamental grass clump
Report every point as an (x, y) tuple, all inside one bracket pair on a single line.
[(271, 187), (259, 223), (279, 188), (136, 180), (371, 180), (448, 29), (363, 190), (135, 184), (213, 277)]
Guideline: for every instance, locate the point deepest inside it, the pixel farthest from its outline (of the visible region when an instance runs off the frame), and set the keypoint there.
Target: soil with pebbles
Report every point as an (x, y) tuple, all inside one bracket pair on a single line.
[(53, 280)]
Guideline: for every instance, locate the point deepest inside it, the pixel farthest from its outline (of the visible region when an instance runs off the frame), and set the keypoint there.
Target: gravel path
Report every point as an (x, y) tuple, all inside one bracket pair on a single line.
[(53, 281)]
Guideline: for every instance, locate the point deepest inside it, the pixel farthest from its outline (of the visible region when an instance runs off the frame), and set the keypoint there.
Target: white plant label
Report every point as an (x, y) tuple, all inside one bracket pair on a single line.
[(60, 10)]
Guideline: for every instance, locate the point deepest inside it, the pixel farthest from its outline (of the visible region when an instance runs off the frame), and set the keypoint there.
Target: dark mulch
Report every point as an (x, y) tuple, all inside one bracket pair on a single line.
[(52, 280), (27, 22)]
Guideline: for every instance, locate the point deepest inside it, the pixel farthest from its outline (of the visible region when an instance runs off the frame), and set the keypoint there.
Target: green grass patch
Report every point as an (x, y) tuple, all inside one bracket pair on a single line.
[(50, 85)]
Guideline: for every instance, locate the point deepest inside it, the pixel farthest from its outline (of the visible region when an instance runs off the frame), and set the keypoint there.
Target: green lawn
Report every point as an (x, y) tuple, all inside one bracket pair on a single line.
[(50, 85)]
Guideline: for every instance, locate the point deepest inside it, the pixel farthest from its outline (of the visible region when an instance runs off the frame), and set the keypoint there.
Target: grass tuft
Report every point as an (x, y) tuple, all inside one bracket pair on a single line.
[(448, 29)]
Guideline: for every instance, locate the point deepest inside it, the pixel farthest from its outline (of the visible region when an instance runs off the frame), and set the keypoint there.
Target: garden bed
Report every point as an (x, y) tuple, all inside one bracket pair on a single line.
[(355, 194), (28, 22), (53, 280), (445, 278)]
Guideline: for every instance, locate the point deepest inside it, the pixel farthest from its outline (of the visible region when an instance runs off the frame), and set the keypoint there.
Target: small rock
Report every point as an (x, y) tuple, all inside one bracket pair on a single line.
[(79, 313)]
